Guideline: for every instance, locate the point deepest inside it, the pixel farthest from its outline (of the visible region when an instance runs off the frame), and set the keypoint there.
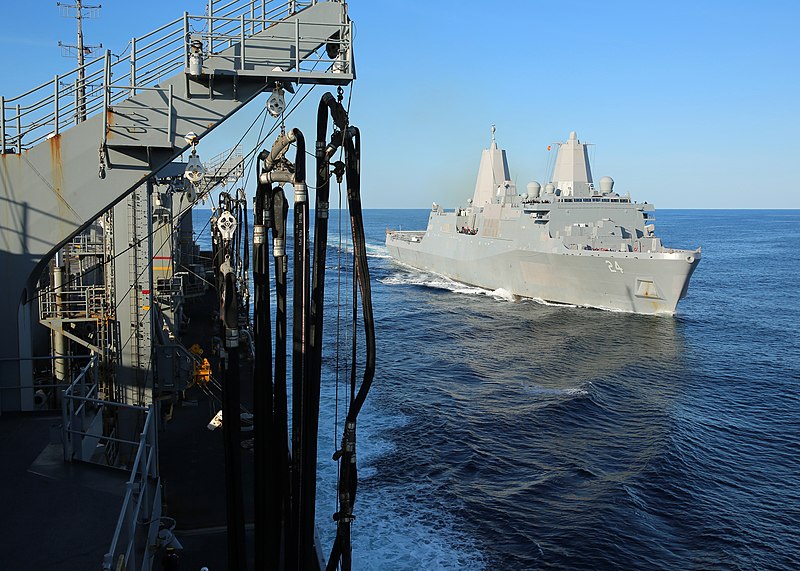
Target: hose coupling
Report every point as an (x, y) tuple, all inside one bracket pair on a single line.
[(259, 234), (300, 192), (231, 338)]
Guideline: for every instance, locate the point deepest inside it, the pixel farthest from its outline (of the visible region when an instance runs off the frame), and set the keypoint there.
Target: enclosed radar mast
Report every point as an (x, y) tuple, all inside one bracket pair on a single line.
[(493, 174)]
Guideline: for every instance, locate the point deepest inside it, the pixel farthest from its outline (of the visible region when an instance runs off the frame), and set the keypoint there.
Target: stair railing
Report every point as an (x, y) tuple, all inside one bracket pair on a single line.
[(46, 110), (140, 515)]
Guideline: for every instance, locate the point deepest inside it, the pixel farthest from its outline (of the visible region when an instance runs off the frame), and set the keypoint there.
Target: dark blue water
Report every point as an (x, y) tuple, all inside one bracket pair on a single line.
[(507, 434)]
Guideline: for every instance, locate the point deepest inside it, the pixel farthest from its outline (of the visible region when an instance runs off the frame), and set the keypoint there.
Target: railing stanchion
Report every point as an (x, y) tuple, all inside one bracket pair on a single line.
[(2, 125), (241, 39), (210, 27), (77, 102), (186, 54), (186, 40), (106, 92), (169, 117), (55, 105), (83, 416), (133, 66), (65, 436), (19, 129), (263, 15), (143, 467), (297, 46)]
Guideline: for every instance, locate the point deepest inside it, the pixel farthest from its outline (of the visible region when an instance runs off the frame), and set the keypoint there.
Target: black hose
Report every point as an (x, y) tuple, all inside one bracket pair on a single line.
[(231, 401), (280, 209), (348, 476), (300, 324), (267, 492), (353, 166), (338, 112), (313, 364), (245, 256)]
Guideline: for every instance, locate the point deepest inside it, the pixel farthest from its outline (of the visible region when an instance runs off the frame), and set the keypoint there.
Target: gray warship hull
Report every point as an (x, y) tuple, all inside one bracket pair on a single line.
[(647, 283), (568, 243)]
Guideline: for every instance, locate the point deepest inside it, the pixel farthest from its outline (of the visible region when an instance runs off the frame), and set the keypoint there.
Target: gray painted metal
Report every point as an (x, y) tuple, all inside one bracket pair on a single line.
[(134, 294), (575, 245), (51, 190)]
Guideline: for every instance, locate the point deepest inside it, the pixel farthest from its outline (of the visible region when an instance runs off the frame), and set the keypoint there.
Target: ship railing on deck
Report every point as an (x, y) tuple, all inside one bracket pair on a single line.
[(69, 98), (140, 516), (75, 302), (83, 440), (83, 409), (406, 235)]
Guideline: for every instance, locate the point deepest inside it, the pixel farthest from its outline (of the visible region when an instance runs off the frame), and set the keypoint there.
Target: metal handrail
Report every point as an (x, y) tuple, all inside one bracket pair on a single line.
[(138, 500), (77, 302), (68, 409), (141, 504), (147, 62)]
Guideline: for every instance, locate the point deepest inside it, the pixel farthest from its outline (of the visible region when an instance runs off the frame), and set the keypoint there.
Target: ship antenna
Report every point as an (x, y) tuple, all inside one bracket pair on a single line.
[(80, 49), (491, 158)]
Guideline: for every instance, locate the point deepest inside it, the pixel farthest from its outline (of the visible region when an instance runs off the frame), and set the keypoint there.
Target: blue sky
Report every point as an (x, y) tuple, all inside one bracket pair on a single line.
[(689, 104)]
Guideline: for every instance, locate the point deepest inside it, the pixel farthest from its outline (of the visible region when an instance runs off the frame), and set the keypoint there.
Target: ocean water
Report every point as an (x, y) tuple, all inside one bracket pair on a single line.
[(503, 434)]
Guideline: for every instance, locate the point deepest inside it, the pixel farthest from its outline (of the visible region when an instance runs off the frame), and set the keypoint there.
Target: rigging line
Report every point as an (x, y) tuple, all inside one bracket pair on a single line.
[(239, 142), (128, 291), (252, 153), (233, 150), (339, 319), (147, 267), (201, 278), (189, 207), (277, 123), (338, 313), (349, 333), (342, 248), (338, 330), (211, 394), (250, 165), (281, 119), (317, 61), (125, 295), (80, 275)]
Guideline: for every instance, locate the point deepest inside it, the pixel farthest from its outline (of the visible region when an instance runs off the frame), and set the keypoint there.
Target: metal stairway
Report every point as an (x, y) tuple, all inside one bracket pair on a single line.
[(58, 173)]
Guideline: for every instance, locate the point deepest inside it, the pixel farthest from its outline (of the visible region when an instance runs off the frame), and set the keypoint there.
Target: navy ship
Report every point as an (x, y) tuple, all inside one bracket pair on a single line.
[(567, 242), (159, 403)]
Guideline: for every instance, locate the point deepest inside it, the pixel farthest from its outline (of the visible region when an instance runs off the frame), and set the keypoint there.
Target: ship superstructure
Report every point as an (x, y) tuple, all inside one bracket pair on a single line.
[(567, 241), (120, 332)]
